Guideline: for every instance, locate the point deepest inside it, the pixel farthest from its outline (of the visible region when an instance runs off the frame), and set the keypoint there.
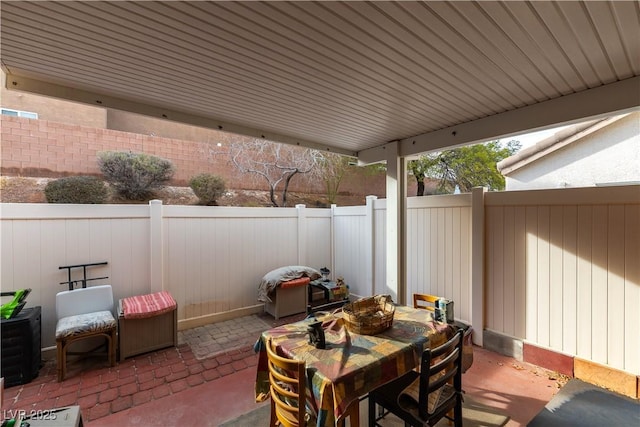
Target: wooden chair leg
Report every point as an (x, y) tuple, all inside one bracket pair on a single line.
[(60, 359), (62, 345), (353, 412), (372, 412), (112, 348), (273, 421)]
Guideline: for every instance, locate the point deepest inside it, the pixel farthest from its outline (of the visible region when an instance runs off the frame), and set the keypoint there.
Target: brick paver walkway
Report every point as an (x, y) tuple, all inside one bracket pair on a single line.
[(216, 338), (100, 390)]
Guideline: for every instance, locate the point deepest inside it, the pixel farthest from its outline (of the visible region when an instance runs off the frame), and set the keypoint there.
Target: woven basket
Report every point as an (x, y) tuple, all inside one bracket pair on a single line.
[(369, 316)]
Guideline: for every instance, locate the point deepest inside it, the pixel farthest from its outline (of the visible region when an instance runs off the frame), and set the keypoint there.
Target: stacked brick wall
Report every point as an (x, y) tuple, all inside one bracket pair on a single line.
[(42, 148)]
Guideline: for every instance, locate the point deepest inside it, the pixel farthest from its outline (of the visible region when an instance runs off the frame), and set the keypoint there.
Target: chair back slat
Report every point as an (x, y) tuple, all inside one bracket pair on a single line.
[(442, 370), (425, 301), (447, 347), (288, 389), (440, 366), (439, 389)]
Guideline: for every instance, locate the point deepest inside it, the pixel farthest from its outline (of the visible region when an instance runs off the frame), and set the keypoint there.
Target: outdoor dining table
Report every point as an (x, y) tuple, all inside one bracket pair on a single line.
[(352, 364)]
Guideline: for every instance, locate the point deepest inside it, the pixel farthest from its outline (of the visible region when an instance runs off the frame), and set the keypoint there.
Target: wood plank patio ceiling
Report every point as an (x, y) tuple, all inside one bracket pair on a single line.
[(345, 76)]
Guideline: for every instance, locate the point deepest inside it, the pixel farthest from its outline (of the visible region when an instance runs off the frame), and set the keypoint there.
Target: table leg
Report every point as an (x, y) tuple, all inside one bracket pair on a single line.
[(353, 412)]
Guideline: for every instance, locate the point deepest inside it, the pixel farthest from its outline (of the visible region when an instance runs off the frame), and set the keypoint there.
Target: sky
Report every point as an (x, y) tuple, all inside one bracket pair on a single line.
[(529, 139)]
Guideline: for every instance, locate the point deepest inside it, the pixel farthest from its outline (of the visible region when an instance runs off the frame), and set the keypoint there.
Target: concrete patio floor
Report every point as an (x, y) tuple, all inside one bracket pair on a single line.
[(173, 387)]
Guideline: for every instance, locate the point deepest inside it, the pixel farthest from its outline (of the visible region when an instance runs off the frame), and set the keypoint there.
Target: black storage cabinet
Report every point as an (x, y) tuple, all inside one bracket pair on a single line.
[(21, 344)]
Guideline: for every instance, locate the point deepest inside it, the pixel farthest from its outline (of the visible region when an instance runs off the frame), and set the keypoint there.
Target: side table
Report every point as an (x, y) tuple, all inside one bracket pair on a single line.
[(331, 290)]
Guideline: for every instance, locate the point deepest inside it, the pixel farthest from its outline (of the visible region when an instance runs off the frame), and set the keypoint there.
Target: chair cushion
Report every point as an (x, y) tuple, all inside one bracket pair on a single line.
[(143, 306), (85, 323), (409, 397), (295, 282), (275, 278)]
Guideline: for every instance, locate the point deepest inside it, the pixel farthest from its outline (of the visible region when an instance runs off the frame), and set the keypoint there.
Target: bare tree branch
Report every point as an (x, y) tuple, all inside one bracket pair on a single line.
[(274, 163)]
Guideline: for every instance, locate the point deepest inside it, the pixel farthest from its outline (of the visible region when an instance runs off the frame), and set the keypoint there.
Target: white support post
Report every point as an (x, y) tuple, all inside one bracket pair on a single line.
[(332, 231), (369, 245), (396, 215), (477, 263), (156, 246), (402, 240)]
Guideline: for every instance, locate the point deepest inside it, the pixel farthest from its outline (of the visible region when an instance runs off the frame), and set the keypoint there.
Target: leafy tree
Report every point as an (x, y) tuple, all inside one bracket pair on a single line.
[(274, 163), (418, 169), (465, 167)]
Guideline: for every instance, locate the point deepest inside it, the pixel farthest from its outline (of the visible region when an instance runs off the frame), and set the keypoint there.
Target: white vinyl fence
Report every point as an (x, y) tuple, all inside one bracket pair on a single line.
[(558, 268), (563, 271)]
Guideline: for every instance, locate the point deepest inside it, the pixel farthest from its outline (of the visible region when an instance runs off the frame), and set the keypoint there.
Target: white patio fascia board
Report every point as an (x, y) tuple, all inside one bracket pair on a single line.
[(614, 98), (39, 87)]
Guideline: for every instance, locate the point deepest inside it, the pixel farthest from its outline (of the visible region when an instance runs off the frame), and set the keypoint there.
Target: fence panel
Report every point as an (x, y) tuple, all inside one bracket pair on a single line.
[(349, 234), (561, 266), (317, 238), (38, 238), (439, 249), (568, 263), (214, 257)]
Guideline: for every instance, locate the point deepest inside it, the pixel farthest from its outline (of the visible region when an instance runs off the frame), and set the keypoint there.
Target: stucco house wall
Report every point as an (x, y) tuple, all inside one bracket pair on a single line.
[(52, 109), (602, 156)]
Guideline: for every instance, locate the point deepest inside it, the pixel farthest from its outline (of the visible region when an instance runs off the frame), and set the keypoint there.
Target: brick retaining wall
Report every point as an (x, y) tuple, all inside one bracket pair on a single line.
[(42, 148)]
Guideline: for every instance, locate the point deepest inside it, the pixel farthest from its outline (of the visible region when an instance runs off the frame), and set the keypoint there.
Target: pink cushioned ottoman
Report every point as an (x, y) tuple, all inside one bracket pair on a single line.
[(147, 323)]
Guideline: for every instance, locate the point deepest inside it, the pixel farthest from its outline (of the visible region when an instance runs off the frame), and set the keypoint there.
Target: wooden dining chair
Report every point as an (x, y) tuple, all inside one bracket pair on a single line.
[(288, 390), (425, 397), (287, 379), (425, 301)]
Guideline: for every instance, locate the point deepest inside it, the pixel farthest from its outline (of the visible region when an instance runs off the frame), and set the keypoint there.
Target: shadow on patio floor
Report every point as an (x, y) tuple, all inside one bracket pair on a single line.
[(174, 387)]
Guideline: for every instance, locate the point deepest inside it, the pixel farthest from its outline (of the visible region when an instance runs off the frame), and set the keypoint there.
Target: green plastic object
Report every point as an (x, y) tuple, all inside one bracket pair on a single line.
[(12, 308)]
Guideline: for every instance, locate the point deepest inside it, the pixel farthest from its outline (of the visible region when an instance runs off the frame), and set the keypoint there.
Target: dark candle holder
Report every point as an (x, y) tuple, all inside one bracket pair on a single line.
[(316, 335)]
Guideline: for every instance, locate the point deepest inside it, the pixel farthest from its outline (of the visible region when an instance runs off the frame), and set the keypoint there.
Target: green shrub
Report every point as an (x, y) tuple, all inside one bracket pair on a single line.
[(207, 187), (134, 175), (76, 189)]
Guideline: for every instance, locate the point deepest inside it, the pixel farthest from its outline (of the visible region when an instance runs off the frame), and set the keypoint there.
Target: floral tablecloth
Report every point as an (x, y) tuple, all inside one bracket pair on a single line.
[(352, 364)]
